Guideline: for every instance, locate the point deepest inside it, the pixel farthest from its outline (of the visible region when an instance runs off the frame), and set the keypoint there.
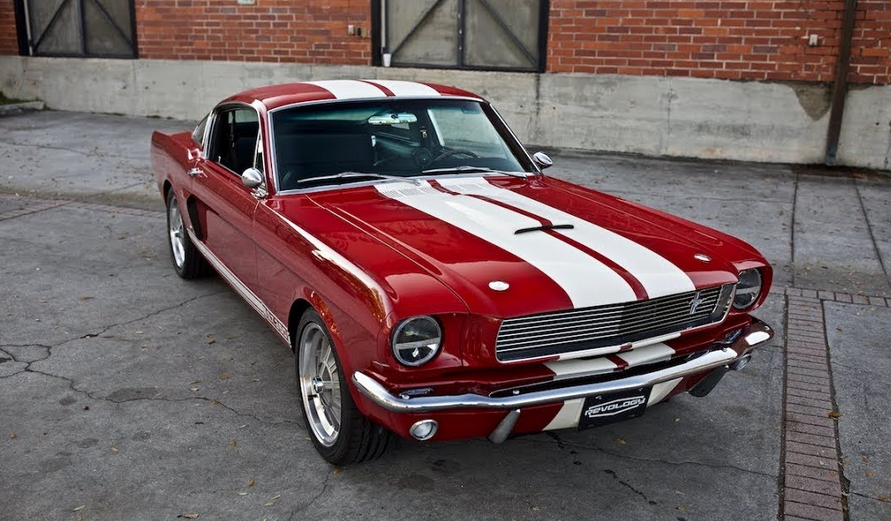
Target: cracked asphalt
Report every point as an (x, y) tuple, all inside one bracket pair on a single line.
[(127, 393)]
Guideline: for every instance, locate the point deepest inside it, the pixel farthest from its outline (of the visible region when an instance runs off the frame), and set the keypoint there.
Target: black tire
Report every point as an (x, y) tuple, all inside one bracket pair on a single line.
[(189, 263), (358, 438)]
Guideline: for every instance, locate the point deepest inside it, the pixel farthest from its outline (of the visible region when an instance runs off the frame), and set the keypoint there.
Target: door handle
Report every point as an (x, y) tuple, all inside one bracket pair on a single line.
[(195, 171)]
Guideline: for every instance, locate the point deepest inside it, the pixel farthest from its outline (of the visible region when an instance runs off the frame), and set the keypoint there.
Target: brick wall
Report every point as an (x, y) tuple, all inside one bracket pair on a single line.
[(9, 43), (737, 39), (871, 46), (750, 40), (270, 31)]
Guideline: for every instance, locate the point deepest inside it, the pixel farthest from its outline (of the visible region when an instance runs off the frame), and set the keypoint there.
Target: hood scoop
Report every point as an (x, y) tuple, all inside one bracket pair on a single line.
[(544, 227)]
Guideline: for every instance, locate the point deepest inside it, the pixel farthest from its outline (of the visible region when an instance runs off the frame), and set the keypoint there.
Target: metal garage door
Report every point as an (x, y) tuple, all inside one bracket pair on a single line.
[(465, 34), (89, 28)]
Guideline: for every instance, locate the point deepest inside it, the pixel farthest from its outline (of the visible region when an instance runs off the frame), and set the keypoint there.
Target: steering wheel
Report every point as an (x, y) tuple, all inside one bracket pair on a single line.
[(449, 152)]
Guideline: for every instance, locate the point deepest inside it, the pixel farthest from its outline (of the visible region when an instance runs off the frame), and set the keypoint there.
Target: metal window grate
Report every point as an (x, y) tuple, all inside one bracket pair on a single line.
[(80, 28)]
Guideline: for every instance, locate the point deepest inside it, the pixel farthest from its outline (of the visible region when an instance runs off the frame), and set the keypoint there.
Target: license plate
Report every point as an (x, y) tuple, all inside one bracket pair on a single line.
[(613, 407)]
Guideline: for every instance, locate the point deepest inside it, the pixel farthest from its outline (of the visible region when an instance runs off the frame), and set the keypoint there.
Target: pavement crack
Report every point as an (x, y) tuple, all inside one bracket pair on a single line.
[(563, 443), (864, 496), (872, 236), (317, 496), (629, 486), (49, 348), (91, 153), (145, 317), (92, 396), (5, 349)]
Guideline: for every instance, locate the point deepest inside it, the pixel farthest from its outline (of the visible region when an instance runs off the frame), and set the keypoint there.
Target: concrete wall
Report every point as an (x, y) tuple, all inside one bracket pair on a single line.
[(658, 116)]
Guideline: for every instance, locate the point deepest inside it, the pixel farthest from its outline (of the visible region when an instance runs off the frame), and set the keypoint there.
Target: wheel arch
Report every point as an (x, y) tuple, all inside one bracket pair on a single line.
[(298, 308)]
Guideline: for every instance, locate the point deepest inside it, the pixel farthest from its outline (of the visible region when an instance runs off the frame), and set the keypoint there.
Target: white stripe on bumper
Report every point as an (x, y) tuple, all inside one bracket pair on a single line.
[(568, 415), (647, 355), (580, 367)]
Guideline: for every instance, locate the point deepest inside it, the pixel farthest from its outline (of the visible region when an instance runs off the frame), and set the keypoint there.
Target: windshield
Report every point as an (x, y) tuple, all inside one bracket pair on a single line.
[(384, 138)]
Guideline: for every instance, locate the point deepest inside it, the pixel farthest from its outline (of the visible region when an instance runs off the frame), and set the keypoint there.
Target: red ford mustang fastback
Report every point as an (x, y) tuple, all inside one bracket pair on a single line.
[(432, 282)]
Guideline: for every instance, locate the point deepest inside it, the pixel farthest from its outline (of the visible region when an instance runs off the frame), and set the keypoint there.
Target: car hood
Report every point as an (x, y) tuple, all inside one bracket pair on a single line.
[(510, 247)]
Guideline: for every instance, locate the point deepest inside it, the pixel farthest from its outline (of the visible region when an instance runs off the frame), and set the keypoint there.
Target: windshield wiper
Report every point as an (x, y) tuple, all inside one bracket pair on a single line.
[(345, 175), (473, 169)]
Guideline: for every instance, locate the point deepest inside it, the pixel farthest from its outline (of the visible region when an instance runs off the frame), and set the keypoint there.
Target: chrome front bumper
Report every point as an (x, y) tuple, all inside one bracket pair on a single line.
[(726, 354)]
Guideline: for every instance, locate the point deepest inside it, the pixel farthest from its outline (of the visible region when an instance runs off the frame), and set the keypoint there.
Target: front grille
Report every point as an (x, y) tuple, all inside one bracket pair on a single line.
[(610, 325)]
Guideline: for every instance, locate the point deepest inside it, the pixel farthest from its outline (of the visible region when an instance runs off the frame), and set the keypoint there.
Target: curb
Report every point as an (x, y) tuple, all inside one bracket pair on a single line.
[(16, 108)]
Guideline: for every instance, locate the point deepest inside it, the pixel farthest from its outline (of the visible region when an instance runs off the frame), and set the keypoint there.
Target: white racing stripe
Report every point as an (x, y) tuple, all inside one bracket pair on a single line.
[(349, 89), (586, 281), (406, 88), (657, 274), (660, 391), (573, 368), (568, 415), (647, 355)]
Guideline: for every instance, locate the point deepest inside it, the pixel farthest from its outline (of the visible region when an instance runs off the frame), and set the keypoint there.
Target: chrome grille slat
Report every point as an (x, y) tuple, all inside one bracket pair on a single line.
[(607, 309), (613, 324), (709, 307), (569, 339)]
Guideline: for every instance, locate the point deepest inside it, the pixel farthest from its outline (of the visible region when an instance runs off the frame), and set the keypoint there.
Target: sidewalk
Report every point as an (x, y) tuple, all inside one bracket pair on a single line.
[(804, 432)]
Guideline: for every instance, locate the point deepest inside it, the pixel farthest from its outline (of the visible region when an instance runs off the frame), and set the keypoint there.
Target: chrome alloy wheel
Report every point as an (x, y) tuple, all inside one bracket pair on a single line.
[(177, 233), (319, 384)]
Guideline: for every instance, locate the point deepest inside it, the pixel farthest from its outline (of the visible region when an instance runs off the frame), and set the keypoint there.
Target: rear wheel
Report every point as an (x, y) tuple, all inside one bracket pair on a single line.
[(340, 432), (187, 260)]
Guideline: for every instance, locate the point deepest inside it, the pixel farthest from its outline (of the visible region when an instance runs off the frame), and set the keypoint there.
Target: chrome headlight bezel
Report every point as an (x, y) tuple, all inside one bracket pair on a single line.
[(748, 289), (431, 344)]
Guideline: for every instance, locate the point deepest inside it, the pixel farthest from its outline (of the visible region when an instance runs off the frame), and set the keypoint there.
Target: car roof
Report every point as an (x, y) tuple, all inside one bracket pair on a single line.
[(275, 96)]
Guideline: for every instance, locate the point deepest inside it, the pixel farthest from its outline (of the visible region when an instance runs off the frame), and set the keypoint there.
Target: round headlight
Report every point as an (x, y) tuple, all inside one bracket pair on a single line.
[(748, 289), (416, 340)]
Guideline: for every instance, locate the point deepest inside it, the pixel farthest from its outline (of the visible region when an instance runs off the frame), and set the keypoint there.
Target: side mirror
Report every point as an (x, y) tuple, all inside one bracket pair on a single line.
[(252, 178), (542, 160), (194, 154)]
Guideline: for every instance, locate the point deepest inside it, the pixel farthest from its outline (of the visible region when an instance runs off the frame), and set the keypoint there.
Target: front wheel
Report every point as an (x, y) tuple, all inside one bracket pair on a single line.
[(340, 432)]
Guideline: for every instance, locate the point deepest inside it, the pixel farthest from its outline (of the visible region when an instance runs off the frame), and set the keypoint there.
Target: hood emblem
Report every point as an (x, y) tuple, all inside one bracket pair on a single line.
[(702, 257), (498, 285), (697, 300)]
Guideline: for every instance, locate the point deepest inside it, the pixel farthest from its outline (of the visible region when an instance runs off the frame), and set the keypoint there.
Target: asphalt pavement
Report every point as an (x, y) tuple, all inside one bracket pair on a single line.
[(127, 393)]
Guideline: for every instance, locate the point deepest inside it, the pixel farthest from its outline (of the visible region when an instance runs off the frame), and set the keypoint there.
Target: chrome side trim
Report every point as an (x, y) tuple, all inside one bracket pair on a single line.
[(753, 336), (249, 296)]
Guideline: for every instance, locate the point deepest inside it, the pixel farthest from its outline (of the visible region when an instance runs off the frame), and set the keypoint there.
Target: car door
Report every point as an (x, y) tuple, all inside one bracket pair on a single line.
[(225, 206)]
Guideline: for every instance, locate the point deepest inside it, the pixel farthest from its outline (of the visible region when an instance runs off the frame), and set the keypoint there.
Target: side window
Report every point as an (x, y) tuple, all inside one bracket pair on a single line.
[(235, 133), (198, 133)]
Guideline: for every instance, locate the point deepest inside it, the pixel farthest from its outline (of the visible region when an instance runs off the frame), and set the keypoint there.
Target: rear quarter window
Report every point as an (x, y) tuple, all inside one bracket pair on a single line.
[(198, 133)]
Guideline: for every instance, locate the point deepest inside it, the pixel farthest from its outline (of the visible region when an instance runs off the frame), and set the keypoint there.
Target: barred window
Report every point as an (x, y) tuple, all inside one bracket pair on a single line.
[(463, 34), (85, 28)]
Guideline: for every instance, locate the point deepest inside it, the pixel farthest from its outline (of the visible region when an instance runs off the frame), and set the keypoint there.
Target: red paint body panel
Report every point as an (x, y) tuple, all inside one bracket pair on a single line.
[(365, 262)]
